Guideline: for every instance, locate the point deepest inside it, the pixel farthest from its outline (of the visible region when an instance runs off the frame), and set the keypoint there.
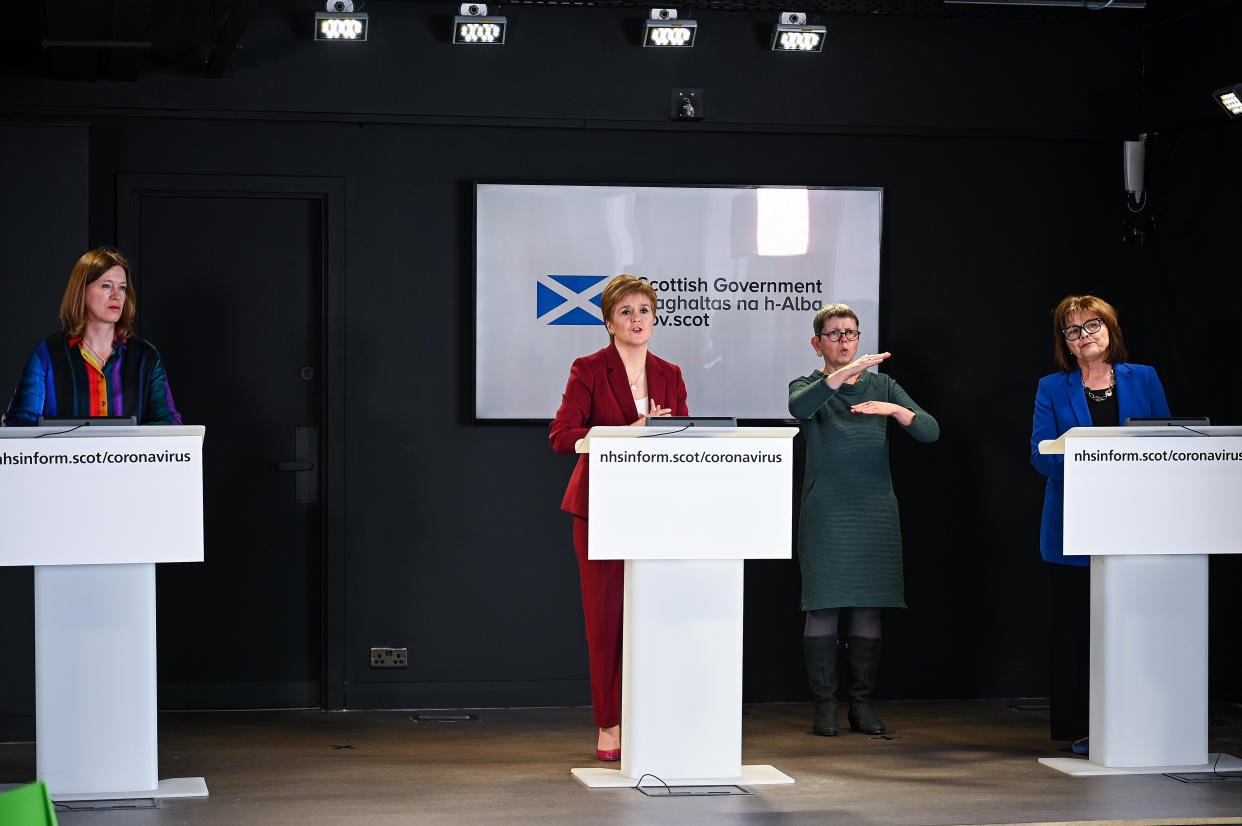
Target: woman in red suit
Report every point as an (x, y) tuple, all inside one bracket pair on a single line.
[(622, 384)]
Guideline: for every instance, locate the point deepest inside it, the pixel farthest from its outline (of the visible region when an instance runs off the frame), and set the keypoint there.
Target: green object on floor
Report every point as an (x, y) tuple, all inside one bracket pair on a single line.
[(27, 806)]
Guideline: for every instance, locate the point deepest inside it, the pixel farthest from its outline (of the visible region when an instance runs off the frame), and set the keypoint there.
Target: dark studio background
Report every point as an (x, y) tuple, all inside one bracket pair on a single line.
[(312, 208)]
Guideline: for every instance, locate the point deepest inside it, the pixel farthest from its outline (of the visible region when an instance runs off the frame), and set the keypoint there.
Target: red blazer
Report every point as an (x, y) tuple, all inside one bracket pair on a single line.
[(598, 393)]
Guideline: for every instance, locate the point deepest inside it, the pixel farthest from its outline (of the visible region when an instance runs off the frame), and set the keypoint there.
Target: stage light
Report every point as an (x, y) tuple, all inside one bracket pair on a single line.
[(1230, 99), (472, 26), (792, 34), (340, 23), (663, 29)]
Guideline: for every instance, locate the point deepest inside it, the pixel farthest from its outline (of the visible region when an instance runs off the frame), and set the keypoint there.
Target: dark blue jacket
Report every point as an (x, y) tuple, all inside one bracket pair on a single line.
[(1060, 404)]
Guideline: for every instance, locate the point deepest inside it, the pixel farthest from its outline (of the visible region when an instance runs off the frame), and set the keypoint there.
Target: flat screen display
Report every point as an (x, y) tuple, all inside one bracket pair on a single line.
[(739, 271)]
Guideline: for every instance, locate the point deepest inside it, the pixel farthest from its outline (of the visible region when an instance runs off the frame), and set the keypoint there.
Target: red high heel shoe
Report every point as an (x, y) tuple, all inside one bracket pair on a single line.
[(607, 754)]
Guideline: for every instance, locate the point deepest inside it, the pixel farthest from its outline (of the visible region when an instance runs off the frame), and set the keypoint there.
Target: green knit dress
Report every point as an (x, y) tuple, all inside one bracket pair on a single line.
[(849, 532)]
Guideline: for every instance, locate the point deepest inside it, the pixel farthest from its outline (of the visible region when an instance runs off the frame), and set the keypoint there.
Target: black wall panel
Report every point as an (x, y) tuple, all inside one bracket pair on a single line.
[(44, 216)]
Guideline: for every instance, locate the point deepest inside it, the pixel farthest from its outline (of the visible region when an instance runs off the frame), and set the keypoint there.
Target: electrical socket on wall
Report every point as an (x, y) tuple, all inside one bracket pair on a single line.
[(390, 657)]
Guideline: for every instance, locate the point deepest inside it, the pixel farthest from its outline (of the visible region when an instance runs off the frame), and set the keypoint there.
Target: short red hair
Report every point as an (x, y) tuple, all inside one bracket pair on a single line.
[(1096, 308)]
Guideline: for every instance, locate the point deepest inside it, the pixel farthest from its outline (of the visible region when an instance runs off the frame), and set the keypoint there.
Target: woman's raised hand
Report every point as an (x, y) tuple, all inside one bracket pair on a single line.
[(838, 377)]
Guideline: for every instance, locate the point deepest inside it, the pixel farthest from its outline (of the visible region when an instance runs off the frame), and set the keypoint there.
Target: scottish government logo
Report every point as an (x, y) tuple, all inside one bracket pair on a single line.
[(572, 300)]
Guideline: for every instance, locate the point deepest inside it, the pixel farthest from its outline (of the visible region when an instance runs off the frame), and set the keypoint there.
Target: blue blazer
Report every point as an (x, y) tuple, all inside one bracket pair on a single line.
[(1060, 404)]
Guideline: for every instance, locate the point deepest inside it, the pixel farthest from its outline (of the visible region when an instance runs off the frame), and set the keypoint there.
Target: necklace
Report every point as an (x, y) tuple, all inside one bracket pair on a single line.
[(102, 360), (634, 381), (1098, 396)]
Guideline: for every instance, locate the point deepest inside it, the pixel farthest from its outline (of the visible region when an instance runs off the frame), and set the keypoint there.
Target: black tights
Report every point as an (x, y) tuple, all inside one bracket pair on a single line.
[(822, 622)]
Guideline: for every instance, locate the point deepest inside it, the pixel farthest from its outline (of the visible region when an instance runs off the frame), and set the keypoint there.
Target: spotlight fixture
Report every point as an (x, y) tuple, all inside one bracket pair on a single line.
[(792, 34), (1230, 99), (662, 28), (339, 23), (472, 26)]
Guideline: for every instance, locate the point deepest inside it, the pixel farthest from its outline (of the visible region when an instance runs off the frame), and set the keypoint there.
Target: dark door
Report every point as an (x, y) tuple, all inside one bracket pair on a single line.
[(230, 276)]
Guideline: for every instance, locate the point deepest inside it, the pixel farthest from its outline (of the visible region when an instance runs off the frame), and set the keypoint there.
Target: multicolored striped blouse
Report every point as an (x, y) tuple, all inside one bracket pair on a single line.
[(61, 379)]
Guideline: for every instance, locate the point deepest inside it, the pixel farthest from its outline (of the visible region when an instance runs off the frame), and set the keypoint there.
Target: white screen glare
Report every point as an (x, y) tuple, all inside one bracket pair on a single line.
[(784, 222)]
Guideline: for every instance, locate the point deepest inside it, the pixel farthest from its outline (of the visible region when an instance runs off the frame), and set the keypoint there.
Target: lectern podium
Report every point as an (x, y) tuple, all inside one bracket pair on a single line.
[(685, 508), (93, 509), (1149, 504)]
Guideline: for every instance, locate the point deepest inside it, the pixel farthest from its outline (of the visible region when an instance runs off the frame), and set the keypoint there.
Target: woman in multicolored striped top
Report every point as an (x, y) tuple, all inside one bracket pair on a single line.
[(95, 366)]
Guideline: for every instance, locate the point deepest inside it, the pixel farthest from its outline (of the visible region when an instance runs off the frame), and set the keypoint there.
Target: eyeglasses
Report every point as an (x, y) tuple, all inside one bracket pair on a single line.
[(1090, 327), (835, 335)]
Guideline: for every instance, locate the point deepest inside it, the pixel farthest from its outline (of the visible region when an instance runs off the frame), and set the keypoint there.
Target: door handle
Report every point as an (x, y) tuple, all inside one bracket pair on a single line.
[(305, 458)]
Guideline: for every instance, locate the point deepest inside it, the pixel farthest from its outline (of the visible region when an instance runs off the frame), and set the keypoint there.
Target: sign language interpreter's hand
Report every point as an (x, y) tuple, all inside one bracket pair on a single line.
[(841, 375), (878, 408)]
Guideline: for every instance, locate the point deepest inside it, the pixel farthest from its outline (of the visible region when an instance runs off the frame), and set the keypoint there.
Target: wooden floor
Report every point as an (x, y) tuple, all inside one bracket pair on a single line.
[(960, 762)]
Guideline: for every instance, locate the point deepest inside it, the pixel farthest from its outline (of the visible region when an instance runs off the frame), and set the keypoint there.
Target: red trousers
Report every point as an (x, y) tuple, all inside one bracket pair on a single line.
[(603, 593)]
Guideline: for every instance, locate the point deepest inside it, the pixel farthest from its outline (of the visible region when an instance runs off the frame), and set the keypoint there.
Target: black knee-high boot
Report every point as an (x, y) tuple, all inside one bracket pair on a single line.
[(864, 663), (821, 671)]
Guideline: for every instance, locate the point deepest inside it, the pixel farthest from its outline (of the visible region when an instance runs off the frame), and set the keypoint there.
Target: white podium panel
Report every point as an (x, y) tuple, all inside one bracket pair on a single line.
[(158, 469), (1151, 484), (95, 632), (708, 499), (682, 669), (95, 629), (717, 494), (1149, 653), (1148, 505)]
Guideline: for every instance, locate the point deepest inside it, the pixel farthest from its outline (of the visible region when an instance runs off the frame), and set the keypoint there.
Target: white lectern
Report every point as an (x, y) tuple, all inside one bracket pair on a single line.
[(1149, 504), (685, 508), (93, 509)]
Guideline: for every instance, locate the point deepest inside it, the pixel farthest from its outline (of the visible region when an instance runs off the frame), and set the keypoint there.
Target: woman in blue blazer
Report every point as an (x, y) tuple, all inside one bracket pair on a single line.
[(1094, 387)]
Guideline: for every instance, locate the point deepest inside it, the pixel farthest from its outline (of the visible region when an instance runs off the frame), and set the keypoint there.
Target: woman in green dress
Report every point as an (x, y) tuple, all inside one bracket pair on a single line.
[(849, 533)]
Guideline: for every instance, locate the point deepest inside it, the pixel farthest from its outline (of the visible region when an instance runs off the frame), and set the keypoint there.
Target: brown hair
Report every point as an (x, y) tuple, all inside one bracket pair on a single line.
[(1095, 308), (621, 286), (87, 271), (833, 311)]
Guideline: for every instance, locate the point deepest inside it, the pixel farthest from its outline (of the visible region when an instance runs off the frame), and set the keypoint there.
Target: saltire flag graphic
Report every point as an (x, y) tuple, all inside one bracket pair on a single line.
[(569, 299)]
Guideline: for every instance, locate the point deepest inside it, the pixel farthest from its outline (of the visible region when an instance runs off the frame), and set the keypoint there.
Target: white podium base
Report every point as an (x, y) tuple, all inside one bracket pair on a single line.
[(172, 787), (614, 779), (95, 679), (1078, 767), (1149, 654), (681, 672)]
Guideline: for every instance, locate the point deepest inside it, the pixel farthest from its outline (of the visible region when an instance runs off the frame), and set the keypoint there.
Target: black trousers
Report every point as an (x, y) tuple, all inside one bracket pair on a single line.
[(1069, 674)]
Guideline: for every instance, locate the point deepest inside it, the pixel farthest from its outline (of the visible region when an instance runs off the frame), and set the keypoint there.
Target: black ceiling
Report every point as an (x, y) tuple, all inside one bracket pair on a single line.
[(109, 39)]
